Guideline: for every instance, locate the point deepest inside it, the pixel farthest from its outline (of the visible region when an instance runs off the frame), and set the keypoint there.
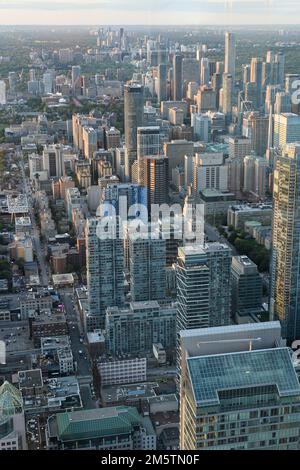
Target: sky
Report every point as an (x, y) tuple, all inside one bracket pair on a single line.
[(148, 12)]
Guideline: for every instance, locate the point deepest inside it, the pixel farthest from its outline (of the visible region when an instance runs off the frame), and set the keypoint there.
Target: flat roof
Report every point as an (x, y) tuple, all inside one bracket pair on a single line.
[(30, 378), (212, 374), (63, 278), (270, 325)]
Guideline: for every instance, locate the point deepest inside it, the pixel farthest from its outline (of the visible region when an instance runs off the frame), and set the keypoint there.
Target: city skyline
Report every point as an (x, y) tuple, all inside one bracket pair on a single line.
[(149, 229), (132, 12)]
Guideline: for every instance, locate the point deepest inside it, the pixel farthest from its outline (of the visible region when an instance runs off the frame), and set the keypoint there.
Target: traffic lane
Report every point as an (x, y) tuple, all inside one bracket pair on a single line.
[(81, 358)]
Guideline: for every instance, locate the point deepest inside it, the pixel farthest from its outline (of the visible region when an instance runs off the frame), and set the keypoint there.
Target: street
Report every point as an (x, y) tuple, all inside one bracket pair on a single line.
[(214, 236), (39, 251), (75, 331)]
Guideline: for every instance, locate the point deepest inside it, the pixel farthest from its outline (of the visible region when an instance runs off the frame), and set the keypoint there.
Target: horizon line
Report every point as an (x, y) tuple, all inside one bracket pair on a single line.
[(156, 24)]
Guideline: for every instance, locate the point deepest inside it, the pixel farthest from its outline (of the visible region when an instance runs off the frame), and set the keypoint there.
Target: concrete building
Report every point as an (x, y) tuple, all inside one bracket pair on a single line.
[(230, 54), (123, 370), (147, 265), (238, 147), (105, 263), (148, 143), (203, 286), (210, 172), (284, 303), (2, 92), (73, 201), (134, 329), (33, 302), (256, 127), (240, 213), (112, 138), (133, 112), (113, 428), (53, 160), (176, 151), (206, 99), (201, 123), (90, 142)]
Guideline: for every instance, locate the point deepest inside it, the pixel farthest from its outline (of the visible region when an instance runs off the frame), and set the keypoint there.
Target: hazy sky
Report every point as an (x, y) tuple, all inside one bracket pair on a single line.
[(149, 11)]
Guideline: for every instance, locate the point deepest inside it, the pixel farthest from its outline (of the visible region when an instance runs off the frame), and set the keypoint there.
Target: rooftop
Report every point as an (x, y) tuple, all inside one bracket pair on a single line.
[(30, 378), (212, 374), (11, 401), (98, 422), (251, 207)]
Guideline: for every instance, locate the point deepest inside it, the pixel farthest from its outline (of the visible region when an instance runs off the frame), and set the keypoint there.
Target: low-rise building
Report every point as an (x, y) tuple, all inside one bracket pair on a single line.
[(237, 215), (34, 301), (48, 323), (114, 428), (122, 370)]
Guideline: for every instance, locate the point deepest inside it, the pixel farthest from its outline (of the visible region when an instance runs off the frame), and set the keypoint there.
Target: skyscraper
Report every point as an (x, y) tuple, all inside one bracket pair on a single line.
[(105, 264), (227, 84), (246, 285), (177, 77), (286, 129), (283, 103), (256, 76), (204, 71), (251, 94), (206, 99), (48, 79), (134, 328), (2, 92), (246, 74), (203, 286), (256, 127), (13, 81), (148, 143), (239, 147), (76, 79), (230, 54), (162, 83), (133, 115), (53, 160), (162, 53), (147, 268), (156, 177), (285, 270), (238, 389), (249, 165)]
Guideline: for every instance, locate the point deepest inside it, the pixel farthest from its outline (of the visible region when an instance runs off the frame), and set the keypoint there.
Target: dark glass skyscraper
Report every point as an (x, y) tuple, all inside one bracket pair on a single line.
[(177, 77), (133, 116)]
